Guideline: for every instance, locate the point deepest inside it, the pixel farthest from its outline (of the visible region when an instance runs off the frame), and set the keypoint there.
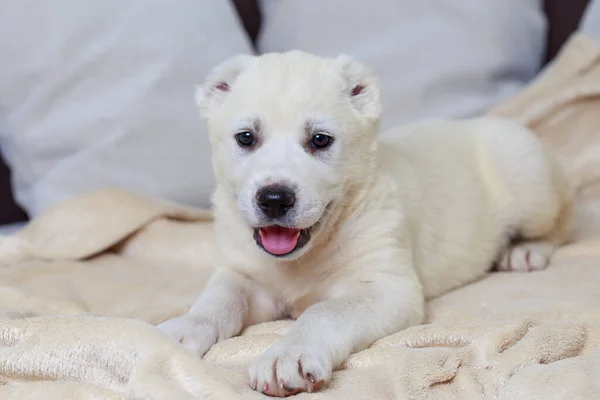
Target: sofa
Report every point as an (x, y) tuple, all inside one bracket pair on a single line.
[(562, 20)]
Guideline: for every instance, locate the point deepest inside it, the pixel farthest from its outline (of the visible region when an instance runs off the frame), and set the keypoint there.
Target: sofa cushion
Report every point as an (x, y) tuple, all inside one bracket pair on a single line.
[(590, 24), (104, 96), (563, 19), (434, 58)]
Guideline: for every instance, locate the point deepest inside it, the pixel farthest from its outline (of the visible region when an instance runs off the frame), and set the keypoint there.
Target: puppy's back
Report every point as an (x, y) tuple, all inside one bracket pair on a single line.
[(466, 187)]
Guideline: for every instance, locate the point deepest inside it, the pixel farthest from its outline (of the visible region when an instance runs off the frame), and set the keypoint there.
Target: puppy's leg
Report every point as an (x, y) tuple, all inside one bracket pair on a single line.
[(228, 304), (541, 235), (328, 332), (526, 256)]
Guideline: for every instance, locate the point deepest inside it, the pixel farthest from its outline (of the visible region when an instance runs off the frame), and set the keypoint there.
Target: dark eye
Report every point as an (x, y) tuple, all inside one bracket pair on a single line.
[(245, 139), (321, 141)]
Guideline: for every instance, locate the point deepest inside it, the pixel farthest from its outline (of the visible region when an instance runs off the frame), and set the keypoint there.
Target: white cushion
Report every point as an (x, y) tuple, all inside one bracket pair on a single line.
[(435, 58), (101, 93), (590, 22)]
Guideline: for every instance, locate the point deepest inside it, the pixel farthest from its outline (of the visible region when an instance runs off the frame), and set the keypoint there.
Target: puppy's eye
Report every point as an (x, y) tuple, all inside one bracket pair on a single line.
[(245, 139), (321, 141)]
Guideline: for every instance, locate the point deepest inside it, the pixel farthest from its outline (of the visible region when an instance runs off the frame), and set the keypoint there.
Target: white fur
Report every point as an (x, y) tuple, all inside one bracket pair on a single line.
[(413, 214)]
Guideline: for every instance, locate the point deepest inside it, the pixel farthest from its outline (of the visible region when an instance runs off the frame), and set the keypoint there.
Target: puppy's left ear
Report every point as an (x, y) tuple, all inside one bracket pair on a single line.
[(361, 86), (219, 82)]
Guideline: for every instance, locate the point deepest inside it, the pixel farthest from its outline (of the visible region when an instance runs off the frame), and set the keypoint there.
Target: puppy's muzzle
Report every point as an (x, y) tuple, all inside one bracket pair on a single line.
[(275, 200)]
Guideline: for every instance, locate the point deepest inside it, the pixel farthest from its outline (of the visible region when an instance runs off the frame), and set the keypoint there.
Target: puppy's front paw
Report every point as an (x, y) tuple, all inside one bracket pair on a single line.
[(287, 369), (197, 335)]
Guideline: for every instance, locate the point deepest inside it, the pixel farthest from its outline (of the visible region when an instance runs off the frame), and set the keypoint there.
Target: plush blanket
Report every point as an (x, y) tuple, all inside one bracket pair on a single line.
[(82, 286)]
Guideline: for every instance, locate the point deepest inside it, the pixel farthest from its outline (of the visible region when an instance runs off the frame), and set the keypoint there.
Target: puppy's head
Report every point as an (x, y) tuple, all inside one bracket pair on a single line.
[(291, 134)]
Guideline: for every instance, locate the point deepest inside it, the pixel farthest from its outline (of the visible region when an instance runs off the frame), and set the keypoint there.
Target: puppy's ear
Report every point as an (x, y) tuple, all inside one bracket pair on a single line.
[(217, 85), (361, 86)]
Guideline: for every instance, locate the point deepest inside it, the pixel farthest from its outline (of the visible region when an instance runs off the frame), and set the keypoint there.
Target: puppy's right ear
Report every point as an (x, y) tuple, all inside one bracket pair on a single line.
[(362, 87), (217, 85)]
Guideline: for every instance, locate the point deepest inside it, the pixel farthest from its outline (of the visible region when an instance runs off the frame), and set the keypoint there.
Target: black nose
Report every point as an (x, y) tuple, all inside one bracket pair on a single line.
[(274, 201)]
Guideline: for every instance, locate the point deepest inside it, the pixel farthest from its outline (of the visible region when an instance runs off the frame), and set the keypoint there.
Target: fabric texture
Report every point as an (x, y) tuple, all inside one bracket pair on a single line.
[(102, 95), (434, 58), (82, 285)]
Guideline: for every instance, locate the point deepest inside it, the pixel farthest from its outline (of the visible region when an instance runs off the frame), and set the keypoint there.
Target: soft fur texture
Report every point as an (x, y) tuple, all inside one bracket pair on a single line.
[(393, 221)]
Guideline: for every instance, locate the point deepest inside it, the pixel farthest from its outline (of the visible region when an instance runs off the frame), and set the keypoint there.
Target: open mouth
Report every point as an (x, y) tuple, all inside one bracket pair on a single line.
[(280, 241)]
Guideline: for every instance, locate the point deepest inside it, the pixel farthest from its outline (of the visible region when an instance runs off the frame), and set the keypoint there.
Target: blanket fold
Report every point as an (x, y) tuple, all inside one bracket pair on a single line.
[(104, 218)]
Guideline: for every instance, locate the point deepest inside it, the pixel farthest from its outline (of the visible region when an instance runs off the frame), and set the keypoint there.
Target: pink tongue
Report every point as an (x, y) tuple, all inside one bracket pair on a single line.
[(277, 240)]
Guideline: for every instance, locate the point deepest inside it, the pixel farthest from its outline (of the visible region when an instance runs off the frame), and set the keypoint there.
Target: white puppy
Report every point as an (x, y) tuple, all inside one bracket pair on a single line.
[(319, 219)]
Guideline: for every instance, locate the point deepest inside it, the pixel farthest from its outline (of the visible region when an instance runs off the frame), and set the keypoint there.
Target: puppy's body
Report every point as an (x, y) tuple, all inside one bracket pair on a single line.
[(469, 188), (385, 222)]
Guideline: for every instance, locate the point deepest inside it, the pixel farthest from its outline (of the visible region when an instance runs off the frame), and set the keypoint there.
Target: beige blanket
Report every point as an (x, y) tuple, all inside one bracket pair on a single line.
[(81, 287)]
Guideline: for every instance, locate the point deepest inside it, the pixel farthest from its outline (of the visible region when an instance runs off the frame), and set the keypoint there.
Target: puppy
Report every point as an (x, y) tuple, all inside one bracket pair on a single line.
[(319, 219)]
